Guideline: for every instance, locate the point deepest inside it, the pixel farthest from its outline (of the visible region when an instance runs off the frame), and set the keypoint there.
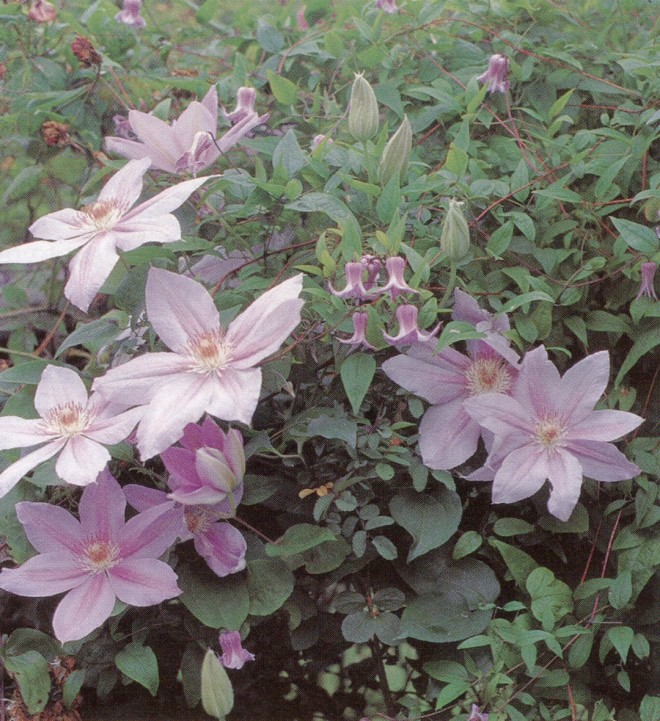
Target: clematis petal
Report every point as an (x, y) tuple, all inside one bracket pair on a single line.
[(142, 498), (582, 387), (196, 118), (235, 395), (89, 269), (62, 225), (210, 102), (81, 461), (152, 532), (602, 461), (125, 186), (182, 400), (59, 387), (49, 528), (43, 575), (12, 475), (565, 473), (40, 250), (538, 383), (179, 308), (266, 323), (102, 508), (143, 582), (18, 432), (604, 426), (83, 609), (501, 414), (180, 463), (165, 202), (131, 149), (223, 548), (447, 436), (521, 474), (158, 137), (113, 429), (136, 232)]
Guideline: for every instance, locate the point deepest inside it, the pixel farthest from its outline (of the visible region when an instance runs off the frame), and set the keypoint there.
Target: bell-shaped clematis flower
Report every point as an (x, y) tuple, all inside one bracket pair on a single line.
[(548, 429), (359, 337), (497, 74), (98, 230), (646, 286), (210, 369), (189, 144), (246, 99), (220, 544), (476, 714), (355, 287), (233, 653), (209, 468), (96, 560), (409, 332), (72, 424), (396, 284), (130, 14), (387, 6)]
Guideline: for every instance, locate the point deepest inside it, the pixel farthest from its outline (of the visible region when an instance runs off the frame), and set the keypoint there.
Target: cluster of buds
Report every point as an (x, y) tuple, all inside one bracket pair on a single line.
[(42, 12), (54, 133), (497, 74), (86, 53)]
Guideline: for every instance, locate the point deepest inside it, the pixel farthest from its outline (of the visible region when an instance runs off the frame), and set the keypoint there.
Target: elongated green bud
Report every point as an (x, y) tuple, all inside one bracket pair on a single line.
[(217, 691), (396, 154), (455, 236), (362, 110)]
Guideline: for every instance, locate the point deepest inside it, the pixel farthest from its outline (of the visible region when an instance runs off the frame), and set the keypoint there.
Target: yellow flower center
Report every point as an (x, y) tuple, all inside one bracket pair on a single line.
[(488, 375), (549, 432), (103, 214), (209, 352), (98, 556), (69, 419)]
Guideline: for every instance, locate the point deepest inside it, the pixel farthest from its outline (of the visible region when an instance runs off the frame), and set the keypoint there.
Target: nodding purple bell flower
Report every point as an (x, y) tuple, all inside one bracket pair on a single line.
[(387, 6), (130, 15), (300, 19), (646, 287), (354, 285), (497, 75), (372, 265), (409, 332), (233, 653), (396, 285), (476, 715), (359, 337)]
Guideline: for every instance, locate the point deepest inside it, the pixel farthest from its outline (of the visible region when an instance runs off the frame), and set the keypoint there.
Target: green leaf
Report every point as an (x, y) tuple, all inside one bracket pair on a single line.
[(519, 563), (386, 549), (649, 709), (525, 298), (580, 651), (638, 237), (299, 538), (621, 638), (620, 591), (30, 669), (645, 343), (92, 335), (500, 240), (139, 663), (268, 37), (216, 602), (72, 686), (430, 519), (552, 599), (29, 639), (270, 583), (357, 372), (342, 428), (468, 543), (284, 91), (322, 203), (512, 527), (288, 155), (558, 192)]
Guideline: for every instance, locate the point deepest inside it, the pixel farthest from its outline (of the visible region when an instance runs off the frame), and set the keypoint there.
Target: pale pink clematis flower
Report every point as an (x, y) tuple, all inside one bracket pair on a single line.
[(130, 14), (354, 287), (359, 337), (387, 6), (98, 230), (72, 424), (497, 74), (547, 429), (210, 369), (96, 560), (396, 284), (476, 714), (646, 287), (188, 144), (300, 19), (409, 332), (233, 653)]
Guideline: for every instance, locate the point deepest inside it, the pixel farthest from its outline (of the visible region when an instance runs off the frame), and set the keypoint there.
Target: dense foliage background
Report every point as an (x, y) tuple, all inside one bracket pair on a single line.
[(373, 584)]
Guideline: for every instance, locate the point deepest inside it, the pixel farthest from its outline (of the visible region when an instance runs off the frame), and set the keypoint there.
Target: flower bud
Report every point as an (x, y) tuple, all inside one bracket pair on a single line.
[(396, 154), (362, 110), (217, 691), (455, 236)]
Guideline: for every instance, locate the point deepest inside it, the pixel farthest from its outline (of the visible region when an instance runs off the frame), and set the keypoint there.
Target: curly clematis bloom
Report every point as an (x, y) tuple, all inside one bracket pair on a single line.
[(209, 369), (547, 429), (98, 230), (233, 653), (72, 424), (409, 332), (96, 560), (497, 74), (396, 284), (354, 287), (359, 337), (646, 287), (189, 144), (448, 436), (476, 714)]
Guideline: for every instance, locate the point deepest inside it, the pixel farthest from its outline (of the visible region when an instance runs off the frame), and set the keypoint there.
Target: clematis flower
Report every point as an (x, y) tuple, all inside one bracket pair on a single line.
[(96, 560), (98, 230), (476, 715), (209, 468), (646, 286), (497, 74), (409, 332), (359, 337), (448, 436), (130, 14), (233, 653), (220, 544), (72, 424), (209, 369), (355, 287), (387, 6), (300, 19), (188, 144), (396, 284), (548, 429), (43, 12)]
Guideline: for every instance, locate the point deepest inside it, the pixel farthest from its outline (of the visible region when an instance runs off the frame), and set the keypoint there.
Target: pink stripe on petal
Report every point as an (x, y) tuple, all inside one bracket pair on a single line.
[(143, 582), (90, 268), (158, 137), (447, 436), (84, 609), (59, 387), (602, 461), (49, 528), (18, 432), (81, 461), (44, 575), (223, 548), (62, 225), (538, 383), (235, 395), (102, 509), (194, 119), (125, 186), (114, 429), (604, 426), (436, 382), (521, 474), (582, 386), (565, 475), (180, 463), (501, 414), (127, 148), (142, 498), (166, 201), (134, 233), (152, 532)]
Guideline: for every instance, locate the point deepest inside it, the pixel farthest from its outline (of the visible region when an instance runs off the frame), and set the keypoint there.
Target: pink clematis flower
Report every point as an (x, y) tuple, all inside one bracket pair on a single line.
[(387, 6), (97, 560), (548, 429), (355, 287), (43, 12), (189, 144), (98, 230), (210, 369), (448, 436), (233, 653), (396, 284), (497, 74), (476, 714), (130, 14), (72, 424), (409, 332), (359, 337), (646, 286)]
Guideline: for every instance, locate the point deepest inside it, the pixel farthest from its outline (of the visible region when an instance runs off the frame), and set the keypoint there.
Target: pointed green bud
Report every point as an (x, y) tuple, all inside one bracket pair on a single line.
[(362, 110), (396, 154), (217, 691), (455, 236)]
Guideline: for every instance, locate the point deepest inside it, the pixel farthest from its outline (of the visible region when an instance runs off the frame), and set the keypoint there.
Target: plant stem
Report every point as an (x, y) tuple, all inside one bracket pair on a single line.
[(377, 652)]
